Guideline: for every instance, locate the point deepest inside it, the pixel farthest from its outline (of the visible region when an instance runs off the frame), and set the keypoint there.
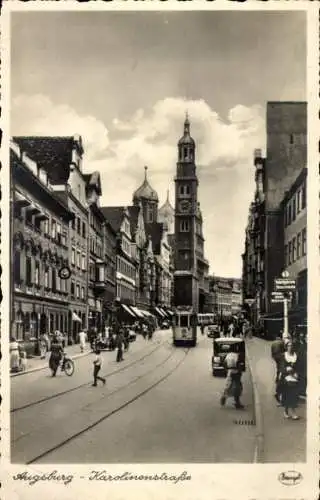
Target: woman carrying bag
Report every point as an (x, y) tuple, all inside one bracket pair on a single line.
[(289, 383)]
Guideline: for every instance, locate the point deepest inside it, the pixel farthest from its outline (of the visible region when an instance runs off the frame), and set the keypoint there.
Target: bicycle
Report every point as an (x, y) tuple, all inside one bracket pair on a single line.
[(67, 365)]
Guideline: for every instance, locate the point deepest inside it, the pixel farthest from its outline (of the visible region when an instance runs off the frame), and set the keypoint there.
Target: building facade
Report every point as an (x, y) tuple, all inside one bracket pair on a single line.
[(264, 255), (97, 283), (61, 158), (294, 209), (189, 262), (40, 233)]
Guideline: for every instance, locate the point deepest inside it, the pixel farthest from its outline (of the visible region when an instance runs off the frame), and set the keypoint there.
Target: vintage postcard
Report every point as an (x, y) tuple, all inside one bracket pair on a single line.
[(160, 250)]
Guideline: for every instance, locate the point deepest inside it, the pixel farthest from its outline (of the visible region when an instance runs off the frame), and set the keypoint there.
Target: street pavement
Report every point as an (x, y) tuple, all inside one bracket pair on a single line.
[(277, 431), (160, 405)]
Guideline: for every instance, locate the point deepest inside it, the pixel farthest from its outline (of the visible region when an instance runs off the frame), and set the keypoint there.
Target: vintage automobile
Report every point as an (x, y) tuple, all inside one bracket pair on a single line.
[(213, 331), (221, 347)]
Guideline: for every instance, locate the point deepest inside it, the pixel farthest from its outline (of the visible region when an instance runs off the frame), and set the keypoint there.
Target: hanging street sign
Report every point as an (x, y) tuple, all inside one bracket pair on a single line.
[(284, 284), (277, 295), (277, 300)]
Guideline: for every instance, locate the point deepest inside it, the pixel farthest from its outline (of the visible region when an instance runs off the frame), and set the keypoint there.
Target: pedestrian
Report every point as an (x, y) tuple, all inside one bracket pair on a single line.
[(55, 356), (202, 329), (97, 365), (126, 339), (302, 364), (231, 329), (290, 387), (233, 387), (82, 339), (43, 347), (14, 355), (120, 346), (277, 351)]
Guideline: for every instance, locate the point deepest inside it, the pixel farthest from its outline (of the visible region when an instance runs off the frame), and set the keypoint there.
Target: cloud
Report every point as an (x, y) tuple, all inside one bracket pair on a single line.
[(38, 115), (224, 157)]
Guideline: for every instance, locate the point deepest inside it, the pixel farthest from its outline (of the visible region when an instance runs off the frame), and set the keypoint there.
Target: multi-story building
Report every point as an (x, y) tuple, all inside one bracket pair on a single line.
[(97, 264), (294, 208), (110, 258), (126, 259), (156, 256), (221, 290), (263, 258), (61, 158), (40, 234), (236, 297), (191, 267)]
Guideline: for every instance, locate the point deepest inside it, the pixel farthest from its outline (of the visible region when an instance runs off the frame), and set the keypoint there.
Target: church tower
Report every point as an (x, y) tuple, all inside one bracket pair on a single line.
[(148, 198), (187, 221)]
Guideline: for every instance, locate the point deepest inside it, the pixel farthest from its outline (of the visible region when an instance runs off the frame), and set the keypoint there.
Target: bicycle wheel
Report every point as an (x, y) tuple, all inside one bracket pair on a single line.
[(69, 367)]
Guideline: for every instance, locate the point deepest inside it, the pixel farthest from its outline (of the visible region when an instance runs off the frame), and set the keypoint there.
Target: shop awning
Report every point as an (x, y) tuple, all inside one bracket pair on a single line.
[(126, 308), (75, 317), (159, 311), (146, 313), (165, 313), (169, 312), (137, 312)]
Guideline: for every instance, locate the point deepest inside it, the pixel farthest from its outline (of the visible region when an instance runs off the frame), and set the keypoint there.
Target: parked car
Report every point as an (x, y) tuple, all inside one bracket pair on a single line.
[(165, 325), (213, 331), (221, 347)]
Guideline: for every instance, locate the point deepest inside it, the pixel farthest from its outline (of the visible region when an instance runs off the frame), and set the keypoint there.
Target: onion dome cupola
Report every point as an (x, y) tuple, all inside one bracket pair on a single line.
[(186, 144), (146, 196), (145, 191)]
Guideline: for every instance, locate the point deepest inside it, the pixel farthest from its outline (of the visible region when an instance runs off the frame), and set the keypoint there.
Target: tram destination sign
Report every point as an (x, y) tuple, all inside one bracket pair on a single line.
[(284, 284)]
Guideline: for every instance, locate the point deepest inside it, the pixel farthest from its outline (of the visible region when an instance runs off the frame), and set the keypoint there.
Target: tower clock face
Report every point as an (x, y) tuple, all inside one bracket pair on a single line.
[(184, 206)]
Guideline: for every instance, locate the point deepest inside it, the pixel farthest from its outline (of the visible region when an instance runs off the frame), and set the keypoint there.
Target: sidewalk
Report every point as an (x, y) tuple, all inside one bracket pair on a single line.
[(34, 364), (282, 440)]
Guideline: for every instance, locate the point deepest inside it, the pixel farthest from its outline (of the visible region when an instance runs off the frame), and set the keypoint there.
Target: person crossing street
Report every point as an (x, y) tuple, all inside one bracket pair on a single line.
[(97, 365)]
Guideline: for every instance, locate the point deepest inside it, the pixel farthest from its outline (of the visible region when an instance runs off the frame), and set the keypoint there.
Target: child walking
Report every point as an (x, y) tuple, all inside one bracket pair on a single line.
[(97, 364)]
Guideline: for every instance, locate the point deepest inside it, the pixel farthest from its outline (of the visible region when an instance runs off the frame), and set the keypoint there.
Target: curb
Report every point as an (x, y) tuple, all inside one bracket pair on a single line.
[(259, 447), (43, 367)]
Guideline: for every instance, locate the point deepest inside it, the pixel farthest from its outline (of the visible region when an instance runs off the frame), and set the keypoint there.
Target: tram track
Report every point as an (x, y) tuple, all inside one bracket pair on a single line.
[(118, 408), (80, 386)]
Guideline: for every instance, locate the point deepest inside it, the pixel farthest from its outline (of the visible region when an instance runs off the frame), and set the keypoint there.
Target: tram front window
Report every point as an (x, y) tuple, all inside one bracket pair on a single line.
[(184, 321)]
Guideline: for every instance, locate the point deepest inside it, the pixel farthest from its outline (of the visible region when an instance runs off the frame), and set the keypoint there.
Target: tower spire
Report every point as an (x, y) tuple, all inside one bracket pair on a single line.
[(168, 195), (187, 124), (145, 172)]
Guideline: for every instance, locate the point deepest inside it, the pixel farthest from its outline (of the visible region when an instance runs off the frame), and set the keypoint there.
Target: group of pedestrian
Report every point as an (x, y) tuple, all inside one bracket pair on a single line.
[(289, 356)]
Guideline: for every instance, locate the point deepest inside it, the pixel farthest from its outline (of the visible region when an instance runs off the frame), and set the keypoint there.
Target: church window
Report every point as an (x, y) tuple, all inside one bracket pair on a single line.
[(184, 189), (150, 215), (184, 226)]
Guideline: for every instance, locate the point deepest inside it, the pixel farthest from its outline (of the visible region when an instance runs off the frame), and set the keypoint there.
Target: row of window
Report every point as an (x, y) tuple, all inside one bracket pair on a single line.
[(49, 226), (126, 268), (77, 291), (78, 225), (96, 246), (296, 248), (295, 205), (78, 259), (38, 273)]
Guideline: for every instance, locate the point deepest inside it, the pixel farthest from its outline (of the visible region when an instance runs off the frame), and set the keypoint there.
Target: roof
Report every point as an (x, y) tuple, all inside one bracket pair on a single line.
[(155, 231), (114, 215), (145, 191), (54, 154), (186, 138), (166, 209)]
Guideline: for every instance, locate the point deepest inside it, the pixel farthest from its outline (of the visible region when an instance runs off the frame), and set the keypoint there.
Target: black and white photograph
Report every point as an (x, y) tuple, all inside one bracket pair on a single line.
[(158, 246)]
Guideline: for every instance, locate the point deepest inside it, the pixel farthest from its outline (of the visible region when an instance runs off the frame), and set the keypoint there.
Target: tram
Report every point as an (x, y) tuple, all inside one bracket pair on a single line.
[(184, 327)]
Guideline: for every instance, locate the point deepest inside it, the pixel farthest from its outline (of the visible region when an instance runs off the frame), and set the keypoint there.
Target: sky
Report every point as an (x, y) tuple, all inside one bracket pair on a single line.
[(124, 81)]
